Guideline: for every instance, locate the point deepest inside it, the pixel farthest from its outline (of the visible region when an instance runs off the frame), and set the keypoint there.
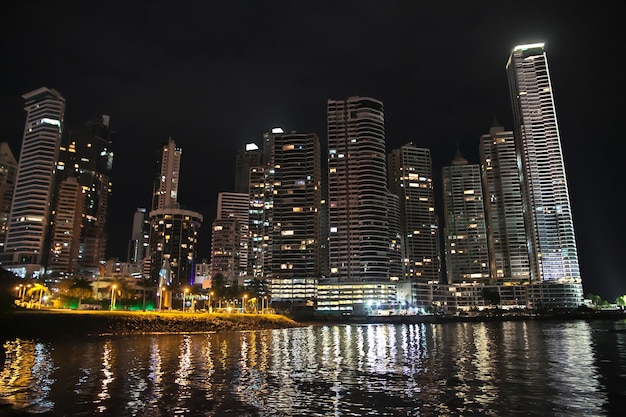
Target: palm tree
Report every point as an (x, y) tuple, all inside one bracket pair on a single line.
[(145, 284), (119, 287), (40, 289), (80, 288)]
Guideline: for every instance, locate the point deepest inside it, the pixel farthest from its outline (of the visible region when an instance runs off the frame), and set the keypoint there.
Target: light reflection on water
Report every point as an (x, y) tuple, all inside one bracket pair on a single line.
[(490, 369)]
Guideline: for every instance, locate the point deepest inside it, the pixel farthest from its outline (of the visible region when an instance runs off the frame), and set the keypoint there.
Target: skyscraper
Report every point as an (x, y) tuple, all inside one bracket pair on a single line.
[(166, 184), (30, 213), (508, 252), (411, 178), (467, 257), (86, 154), (229, 254), (296, 225), (139, 237), (68, 216), (357, 203), (549, 222), (8, 170), (173, 231), (246, 158)]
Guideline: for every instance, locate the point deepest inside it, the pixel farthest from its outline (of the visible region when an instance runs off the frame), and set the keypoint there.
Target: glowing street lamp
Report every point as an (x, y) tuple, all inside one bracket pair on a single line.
[(113, 287), (243, 304), (210, 306), (184, 298)]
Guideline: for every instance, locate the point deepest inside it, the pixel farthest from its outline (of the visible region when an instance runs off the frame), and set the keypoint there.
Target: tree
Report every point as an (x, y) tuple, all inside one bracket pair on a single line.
[(621, 301), (491, 296), (8, 284), (596, 300), (80, 288), (145, 284), (119, 289), (38, 289)]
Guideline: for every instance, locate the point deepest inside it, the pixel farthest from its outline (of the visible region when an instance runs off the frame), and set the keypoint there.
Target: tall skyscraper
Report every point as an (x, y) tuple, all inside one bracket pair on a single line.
[(86, 154), (467, 256), (410, 177), (357, 203), (246, 158), (508, 252), (296, 223), (259, 220), (549, 222), (30, 213), (166, 184), (139, 237), (173, 231), (229, 254), (8, 170)]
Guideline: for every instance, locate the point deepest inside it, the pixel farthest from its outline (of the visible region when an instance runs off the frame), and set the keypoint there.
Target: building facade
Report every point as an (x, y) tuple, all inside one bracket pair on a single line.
[(410, 177), (549, 222), (8, 171), (467, 256), (504, 210), (66, 229), (295, 231), (358, 243), (86, 154), (166, 184), (139, 236), (34, 185)]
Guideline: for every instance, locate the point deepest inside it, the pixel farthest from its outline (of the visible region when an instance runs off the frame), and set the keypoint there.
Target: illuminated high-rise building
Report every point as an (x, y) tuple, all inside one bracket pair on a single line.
[(467, 255), (8, 170), (68, 217), (173, 241), (295, 233), (359, 232), (139, 237), (86, 154), (173, 230), (166, 184), (229, 239), (508, 252), (30, 214), (410, 177), (549, 222), (246, 158)]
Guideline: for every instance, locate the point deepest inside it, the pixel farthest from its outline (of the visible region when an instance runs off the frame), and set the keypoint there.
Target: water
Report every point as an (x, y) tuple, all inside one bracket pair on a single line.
[(543, 368)]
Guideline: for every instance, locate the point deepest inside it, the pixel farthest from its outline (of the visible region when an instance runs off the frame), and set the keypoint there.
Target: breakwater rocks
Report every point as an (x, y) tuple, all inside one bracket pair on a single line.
[(50, 323)]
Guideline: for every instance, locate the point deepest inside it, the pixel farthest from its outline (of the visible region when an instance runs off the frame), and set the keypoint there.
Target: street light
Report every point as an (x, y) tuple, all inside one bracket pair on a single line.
[(210, 306), (184, 298), (113, 287), (160, 298), (243, 306)]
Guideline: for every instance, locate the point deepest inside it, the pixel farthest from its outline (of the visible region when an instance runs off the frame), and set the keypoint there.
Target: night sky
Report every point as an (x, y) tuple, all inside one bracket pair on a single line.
[(217, 75)]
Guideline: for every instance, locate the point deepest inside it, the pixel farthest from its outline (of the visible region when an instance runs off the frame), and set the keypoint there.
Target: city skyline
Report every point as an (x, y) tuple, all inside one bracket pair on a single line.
[(466, 65)]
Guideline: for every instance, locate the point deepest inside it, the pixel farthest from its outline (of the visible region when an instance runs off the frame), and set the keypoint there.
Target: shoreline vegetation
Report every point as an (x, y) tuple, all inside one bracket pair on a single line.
[(62, 323)]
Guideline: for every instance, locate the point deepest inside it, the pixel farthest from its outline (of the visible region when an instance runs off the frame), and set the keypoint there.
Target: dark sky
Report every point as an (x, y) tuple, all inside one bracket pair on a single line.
[(217, 75)]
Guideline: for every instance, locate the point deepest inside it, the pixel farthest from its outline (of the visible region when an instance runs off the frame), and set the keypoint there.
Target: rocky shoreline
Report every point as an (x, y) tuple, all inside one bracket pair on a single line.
[(63, 323)]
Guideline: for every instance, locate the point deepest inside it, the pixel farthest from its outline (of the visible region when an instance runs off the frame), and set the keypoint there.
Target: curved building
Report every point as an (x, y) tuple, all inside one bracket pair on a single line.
[(359, 237), (32, 199)]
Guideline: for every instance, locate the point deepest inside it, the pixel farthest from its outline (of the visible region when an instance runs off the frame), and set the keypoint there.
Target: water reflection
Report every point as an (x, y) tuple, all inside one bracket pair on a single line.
[(522, 368)]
